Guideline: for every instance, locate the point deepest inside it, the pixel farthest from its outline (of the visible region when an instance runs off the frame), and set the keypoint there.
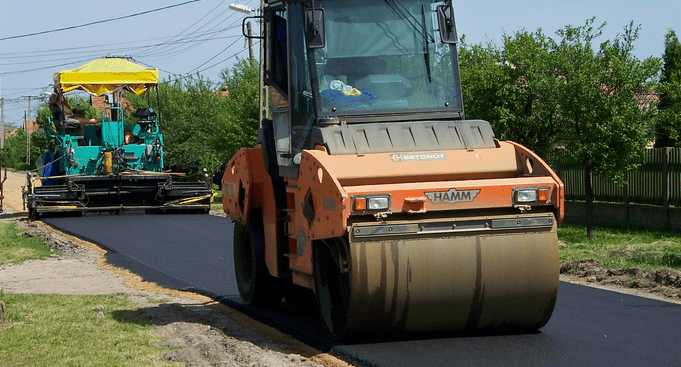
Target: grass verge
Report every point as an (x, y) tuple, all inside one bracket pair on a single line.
[(216, 204), (16, 249), (58, 330), (621, 248)]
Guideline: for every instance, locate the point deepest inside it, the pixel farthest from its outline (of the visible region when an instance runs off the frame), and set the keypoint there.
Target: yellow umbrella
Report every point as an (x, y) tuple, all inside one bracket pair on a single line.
[(104, 76)]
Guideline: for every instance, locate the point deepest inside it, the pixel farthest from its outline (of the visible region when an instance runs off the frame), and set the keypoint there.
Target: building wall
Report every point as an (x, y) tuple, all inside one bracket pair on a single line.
[(100, 103)]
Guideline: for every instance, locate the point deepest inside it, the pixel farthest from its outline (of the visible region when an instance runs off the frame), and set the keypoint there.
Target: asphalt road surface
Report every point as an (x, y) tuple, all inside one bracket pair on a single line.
[(589, 327)]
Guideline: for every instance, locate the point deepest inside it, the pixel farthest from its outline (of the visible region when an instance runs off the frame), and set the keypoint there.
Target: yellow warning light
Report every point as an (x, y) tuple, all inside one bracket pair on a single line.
[(360, 204)]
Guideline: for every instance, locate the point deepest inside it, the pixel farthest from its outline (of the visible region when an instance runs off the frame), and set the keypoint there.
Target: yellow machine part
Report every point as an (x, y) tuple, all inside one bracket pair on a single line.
[(103, 76), (458, 283)]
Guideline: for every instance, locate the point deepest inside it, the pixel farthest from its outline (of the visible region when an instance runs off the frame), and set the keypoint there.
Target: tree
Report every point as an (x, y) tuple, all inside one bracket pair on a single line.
[(602, 126), (567, 94), (243, 85), (204, 127), (191, 113), (514, 88), (14, 150), (668, 128)]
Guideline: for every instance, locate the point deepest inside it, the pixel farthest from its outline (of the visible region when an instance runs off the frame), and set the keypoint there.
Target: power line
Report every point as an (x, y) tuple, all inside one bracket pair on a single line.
[(213, 25), (104, 49), (180, 49), (25, 91), (188, 44), (181, 42), (97, 22), (195, 23), (216, 55), (223, 60), (93, 48), (93, 54), (195, 40), (43, 68), (190, 75)]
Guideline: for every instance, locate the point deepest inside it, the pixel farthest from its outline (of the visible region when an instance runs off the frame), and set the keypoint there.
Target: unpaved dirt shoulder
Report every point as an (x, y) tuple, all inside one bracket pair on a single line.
[(662, 284), (13, 202)]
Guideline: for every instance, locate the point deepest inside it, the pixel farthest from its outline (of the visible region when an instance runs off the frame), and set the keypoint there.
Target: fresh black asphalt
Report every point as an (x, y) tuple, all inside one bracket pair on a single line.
[(180, 251), (589, 327)]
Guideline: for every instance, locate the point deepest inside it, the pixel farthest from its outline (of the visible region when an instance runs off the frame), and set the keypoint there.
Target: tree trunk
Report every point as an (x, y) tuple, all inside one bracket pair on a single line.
[(588, 188)]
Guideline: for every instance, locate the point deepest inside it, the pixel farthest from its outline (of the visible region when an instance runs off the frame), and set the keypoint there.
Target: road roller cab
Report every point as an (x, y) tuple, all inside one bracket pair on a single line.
[(368, 185)]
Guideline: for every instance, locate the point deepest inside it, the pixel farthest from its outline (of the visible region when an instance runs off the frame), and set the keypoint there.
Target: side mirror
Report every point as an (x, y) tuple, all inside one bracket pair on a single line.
[(245, 27), (314, 28), (445, 20)]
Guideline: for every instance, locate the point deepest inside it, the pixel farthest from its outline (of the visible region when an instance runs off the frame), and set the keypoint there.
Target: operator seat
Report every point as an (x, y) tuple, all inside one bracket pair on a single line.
[(355, 68), (145, 117)]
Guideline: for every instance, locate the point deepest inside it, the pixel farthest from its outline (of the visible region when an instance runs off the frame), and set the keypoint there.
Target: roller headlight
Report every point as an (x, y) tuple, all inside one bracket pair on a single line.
[(531, 195), (378, 203), (526, 196)]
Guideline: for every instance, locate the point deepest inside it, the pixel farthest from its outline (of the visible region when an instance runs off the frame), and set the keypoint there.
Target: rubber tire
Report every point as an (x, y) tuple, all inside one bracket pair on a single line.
[(256, 286), (332, 289), (299, 297), (33, 214)]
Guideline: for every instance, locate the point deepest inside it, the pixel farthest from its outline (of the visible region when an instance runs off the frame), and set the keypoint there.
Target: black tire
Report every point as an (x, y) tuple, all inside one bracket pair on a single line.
[(332, 288), (256, 286), (299, 297), (33, 214)]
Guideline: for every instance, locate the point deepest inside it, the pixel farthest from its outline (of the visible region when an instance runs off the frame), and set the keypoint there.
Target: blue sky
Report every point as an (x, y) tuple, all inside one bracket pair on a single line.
[(205, 35)]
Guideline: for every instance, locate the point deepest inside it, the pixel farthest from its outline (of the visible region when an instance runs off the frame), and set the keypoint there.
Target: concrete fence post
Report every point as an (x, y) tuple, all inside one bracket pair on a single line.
[(666, 187)]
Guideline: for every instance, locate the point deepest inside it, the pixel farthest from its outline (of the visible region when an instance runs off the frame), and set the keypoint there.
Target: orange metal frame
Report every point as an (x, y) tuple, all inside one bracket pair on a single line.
[(320, 199)]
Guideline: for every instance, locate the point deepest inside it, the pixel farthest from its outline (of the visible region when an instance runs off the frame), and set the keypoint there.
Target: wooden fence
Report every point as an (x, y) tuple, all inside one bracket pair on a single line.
[(649, 198), (656, 182)]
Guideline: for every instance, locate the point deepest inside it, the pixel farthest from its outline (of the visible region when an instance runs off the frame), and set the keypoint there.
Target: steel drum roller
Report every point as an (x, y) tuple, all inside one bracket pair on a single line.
[(457, 283)]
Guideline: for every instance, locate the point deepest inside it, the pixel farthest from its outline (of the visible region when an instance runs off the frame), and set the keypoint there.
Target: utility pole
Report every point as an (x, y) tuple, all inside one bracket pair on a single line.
[(28, 140), (2, 122), (241, 8), (27, 115), (250, 42)]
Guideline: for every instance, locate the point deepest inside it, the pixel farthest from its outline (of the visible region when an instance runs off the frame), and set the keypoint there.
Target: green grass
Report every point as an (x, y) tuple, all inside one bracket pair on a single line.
[(157, 300), (16, 249), (58, 330), (216, 204), (622, 248), (218, 194)]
